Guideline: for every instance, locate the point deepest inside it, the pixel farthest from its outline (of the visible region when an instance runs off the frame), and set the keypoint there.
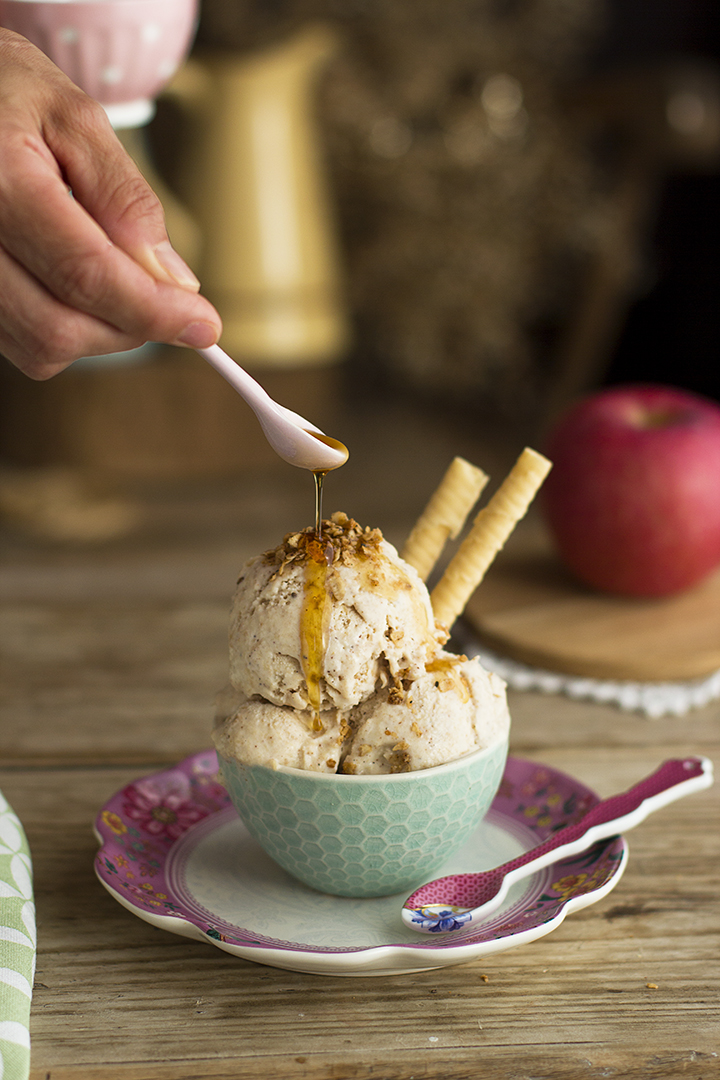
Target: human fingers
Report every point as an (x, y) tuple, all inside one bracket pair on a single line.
[(54, 237), (108, 184), (40, 335), (78, 143)]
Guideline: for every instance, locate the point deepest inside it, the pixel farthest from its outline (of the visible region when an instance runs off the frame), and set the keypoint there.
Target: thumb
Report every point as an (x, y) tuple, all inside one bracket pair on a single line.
[(163, 263)]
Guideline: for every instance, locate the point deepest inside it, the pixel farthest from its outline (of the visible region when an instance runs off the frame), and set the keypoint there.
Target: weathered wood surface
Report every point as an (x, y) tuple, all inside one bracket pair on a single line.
[(111, 660)]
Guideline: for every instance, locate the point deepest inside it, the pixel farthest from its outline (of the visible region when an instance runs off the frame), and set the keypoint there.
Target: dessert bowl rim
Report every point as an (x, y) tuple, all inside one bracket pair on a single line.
[(376, 778)]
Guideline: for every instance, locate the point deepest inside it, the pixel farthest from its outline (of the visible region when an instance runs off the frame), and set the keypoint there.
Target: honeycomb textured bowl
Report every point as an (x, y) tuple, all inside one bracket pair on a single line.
[(365, 835)]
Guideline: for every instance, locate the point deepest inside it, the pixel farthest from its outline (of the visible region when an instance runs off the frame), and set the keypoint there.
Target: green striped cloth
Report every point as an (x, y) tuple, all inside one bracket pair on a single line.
[(17, 946)]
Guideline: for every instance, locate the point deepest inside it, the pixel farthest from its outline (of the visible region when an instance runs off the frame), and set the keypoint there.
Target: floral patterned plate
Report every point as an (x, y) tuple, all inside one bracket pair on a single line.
[(174, 852)]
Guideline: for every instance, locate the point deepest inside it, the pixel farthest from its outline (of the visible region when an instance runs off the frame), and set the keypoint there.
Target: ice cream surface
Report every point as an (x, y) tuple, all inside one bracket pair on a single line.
[(337, 664), (377, 623)]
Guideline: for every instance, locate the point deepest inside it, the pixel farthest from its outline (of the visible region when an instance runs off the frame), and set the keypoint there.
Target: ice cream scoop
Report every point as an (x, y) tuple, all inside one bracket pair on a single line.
[(456, 902), (373, 615), (293, 438), (337, 665)]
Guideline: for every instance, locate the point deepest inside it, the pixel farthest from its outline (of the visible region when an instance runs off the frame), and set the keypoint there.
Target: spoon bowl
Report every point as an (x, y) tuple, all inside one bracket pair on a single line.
[(293, 438)]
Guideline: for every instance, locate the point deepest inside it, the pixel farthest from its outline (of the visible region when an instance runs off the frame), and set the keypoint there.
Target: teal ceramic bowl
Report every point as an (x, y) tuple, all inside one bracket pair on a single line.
[(365, 835)]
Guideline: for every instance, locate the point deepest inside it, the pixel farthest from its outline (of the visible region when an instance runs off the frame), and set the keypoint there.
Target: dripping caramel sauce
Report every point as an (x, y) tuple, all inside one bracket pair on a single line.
[(315, 615), (334, 444), (314, 619), (316, 609), (318, 477)]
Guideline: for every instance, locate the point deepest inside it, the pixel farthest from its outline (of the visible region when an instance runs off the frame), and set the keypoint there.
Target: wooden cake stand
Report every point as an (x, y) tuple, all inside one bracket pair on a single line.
[(528, 608)]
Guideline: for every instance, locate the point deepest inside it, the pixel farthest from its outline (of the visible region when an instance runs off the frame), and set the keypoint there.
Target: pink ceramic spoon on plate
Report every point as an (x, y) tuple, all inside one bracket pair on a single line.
[(458, 901)]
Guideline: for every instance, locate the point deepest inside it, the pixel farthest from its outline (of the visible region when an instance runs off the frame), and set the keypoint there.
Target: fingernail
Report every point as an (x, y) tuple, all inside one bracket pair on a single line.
[(171, 265), (198, 335)]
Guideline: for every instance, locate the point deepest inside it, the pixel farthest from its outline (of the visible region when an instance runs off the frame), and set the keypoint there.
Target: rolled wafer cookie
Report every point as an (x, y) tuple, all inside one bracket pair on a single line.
[(488, 534), (444, 515)]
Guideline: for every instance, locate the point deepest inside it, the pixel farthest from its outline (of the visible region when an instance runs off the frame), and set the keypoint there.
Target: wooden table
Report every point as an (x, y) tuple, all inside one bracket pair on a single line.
[(112, 655)]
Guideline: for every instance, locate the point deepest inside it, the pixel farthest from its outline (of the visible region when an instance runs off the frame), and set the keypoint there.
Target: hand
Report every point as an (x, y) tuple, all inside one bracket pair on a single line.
[(86, 267)]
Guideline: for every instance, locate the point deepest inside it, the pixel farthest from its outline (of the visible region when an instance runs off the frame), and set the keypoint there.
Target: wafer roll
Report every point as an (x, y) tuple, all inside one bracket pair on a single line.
[(444, 515), (490, 530)]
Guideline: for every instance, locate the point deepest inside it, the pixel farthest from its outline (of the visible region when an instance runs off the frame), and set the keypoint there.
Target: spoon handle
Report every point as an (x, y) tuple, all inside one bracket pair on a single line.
[(292, 437), (253, 393), (238, 378), (484, 891)]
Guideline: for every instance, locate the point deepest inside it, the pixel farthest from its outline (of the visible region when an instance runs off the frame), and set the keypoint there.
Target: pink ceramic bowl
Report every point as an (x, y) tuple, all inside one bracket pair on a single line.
[(120, 52)]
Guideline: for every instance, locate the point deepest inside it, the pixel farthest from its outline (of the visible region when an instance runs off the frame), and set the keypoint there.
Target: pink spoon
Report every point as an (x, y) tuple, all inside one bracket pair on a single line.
[(458, 901), (293, 438)]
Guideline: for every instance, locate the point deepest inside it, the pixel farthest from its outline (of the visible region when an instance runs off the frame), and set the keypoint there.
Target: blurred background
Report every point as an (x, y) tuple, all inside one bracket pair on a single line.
[(428, 227)]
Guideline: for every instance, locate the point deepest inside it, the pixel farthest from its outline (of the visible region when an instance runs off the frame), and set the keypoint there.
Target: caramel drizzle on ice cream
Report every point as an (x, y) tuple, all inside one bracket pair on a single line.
[(314, 619), (341, 540), (449, 677), (348, 540)]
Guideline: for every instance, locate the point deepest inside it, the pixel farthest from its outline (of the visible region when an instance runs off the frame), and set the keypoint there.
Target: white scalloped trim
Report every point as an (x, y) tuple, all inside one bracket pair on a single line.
[(653, 699)]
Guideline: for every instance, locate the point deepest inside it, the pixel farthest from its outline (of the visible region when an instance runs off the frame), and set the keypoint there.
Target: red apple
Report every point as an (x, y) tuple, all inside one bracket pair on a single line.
[(633, 498)]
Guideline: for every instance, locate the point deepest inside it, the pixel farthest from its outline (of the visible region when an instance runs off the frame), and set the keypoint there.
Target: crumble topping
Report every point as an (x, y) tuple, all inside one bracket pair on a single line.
[(342, 539)]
